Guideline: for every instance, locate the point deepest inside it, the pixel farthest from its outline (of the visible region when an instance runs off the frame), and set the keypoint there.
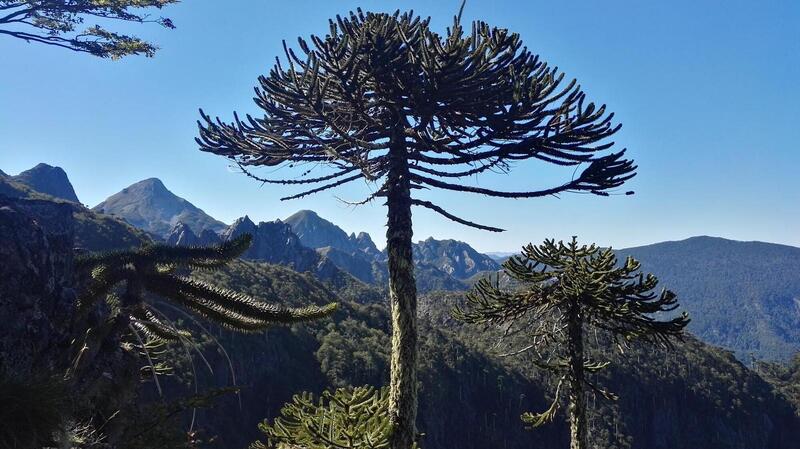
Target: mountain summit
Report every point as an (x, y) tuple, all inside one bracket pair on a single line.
[(150, 206), (317, 232), (50, 180), (455, 258)]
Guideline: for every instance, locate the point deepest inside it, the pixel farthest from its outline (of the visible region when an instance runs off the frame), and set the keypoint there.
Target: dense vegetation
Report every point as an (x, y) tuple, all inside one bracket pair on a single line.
[(705, 391), (741, 295)]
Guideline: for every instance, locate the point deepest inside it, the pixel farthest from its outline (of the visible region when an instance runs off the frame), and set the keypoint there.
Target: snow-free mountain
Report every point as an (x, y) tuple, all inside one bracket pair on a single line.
[(148, 205), (47, 179), (743, 296)]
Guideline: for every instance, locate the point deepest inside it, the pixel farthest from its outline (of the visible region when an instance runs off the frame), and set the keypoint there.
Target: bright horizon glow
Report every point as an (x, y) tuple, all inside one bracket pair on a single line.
[(707, 94)]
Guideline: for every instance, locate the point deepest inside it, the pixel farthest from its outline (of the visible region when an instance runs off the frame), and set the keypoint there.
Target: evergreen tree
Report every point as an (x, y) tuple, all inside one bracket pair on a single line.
[(152, 269), (385, 99), (566, 290), (348, 418), (54, 22)]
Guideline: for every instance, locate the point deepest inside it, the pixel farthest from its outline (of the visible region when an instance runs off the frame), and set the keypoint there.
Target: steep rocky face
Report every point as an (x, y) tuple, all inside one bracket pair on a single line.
[(150, 206), (182, 235), (274, 242), (361, 268), (363, 242), (36, 298), (50, 180), (455, 258), (317, 232), (208, 237)]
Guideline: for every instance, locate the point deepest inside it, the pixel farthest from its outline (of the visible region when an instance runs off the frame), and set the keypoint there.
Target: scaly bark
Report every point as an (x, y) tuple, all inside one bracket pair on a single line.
[(403, 299), (575, 379)]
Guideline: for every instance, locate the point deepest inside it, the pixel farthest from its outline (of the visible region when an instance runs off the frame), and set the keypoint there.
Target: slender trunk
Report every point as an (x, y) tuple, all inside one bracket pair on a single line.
[(403, 299), (577, 398)]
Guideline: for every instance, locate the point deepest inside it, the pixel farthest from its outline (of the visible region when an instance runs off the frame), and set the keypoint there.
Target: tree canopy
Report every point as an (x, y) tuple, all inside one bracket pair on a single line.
[(60, 23)]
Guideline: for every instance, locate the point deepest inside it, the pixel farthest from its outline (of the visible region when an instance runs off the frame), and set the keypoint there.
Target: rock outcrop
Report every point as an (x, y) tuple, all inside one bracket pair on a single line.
[(36, 298), (455, 258), (274, 242), (182, 235), (50, 180)]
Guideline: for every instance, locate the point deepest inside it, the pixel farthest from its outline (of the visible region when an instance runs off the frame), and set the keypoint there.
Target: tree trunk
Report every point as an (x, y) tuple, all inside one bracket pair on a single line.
[(577, 398), (403, 300)]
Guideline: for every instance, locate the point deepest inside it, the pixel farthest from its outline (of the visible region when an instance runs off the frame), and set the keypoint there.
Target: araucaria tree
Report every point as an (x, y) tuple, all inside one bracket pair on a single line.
[(123, 278), (54, 22), (567, 290), (384, 99), (347, 418)]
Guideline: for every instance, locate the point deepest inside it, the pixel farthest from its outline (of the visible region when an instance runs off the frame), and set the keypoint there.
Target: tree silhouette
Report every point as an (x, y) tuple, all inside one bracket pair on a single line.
[(152, 269), (384, 99), (567, 289), (54, 22)]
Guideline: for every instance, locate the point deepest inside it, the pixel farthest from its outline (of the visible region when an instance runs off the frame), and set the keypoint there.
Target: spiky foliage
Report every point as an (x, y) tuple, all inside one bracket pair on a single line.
[(566, 290), (33, 410), (153, 268), (385, 99), (347, 418), (54, 22)]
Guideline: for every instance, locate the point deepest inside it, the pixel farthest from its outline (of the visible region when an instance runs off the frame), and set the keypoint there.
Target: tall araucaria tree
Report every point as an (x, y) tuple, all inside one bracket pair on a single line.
[(384, 99), (567, 290)]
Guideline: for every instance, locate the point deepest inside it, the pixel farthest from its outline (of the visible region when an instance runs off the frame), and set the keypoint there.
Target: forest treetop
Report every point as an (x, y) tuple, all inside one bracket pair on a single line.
[(457, 105), (55, 22)]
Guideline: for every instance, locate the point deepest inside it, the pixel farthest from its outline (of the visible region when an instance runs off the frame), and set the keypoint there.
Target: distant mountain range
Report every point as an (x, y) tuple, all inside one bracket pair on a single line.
[(743, 296), (693, 395)]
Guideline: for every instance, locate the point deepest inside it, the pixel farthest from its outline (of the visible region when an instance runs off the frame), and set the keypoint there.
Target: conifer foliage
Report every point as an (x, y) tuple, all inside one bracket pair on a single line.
[(348, 418), (152, 269), (384, 99), (55, 23), (567, 290)]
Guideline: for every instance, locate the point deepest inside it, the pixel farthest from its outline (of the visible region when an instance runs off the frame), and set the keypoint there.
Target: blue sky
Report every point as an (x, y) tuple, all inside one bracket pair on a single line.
[(707, 91)]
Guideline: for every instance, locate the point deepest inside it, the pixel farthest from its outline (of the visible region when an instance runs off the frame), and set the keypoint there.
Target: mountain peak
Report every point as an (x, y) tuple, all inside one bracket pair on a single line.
[(149, 205), (50, 180), (317, 232), (455, 258)]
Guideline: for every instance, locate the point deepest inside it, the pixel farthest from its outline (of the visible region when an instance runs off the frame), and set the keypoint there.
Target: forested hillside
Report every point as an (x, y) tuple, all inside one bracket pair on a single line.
[(744, 296), (713, 399), (705, 392)]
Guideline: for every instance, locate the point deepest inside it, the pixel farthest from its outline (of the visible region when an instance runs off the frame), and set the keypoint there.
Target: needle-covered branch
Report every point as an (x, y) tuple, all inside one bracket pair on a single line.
[(56, 23), (151, 269)]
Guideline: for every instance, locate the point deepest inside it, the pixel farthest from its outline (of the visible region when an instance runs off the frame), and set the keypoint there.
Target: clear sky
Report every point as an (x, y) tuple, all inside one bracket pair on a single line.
[(708, 93)]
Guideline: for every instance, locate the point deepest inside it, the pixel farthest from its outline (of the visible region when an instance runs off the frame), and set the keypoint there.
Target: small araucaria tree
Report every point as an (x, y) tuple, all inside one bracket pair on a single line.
[(384, 99), (54, 22), (348, 418), (565, 290)]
